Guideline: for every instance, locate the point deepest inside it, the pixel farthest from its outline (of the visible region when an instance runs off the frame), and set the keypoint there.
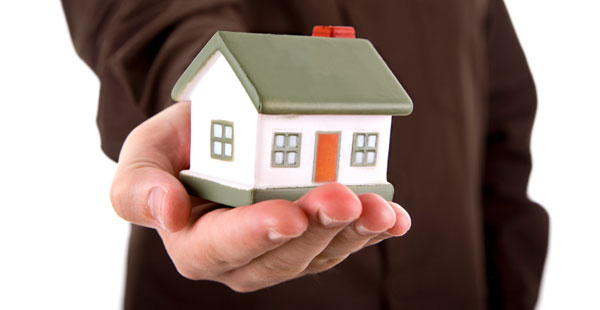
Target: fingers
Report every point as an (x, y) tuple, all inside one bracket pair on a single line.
[(252, 247), (225, 239), (403, 221), (145, 190), (401, 227), (329, 209), (377, 217)]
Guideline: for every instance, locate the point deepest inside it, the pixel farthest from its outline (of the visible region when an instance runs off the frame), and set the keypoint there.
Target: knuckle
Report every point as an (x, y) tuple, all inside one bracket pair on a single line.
[(244, 287), (283, 269), (375, 241), (199, 263), (188, 273), (190, 266), (236, 262), (322, 263), (211, 258), (186, 269)]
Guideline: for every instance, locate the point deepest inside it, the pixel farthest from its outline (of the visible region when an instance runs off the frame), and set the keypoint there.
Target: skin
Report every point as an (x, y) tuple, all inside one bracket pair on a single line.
[(249, 247)]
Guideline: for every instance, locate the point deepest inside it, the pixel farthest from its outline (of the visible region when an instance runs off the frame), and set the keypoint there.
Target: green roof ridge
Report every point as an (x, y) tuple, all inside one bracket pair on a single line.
[(285, 74)]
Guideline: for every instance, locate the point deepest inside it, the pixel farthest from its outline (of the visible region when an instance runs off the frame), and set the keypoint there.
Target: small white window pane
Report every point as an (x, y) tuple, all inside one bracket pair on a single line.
[(217, 148), (291, 158), (293, 141), (228, 148), (280, 141), (228, 132), (358, 157), (370, 157), (360, 140), (372, 141), (217, 130), (279, 158)]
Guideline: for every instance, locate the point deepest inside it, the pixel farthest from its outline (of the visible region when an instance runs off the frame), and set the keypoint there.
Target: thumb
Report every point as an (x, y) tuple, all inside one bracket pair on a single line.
[(145, 190), (150, 197)]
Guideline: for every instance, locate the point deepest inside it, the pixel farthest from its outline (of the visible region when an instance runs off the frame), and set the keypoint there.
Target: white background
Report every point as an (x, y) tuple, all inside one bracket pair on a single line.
[(62, 247)]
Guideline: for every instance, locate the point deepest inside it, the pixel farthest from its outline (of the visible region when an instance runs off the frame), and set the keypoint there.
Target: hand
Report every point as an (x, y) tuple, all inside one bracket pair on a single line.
[(248, 247)]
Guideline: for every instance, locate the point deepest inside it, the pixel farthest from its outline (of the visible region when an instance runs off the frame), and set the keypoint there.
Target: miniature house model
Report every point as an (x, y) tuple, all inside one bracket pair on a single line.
[(273, 116)]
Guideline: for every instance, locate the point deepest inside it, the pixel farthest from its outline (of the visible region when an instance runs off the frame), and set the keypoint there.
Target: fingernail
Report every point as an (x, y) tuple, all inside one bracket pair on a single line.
[(329, 222), (362, 230), (155, 204), (276, 236)]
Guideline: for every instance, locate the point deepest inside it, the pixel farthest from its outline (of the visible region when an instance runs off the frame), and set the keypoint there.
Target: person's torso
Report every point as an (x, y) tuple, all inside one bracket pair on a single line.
[(436, 49)]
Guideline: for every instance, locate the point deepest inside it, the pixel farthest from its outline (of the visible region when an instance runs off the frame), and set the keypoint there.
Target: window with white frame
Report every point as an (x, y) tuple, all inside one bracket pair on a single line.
[(286, 149), (364, 149), (221, 140)]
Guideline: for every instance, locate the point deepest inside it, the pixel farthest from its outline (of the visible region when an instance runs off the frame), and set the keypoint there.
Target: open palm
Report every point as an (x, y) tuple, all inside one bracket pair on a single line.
[(248, 247)]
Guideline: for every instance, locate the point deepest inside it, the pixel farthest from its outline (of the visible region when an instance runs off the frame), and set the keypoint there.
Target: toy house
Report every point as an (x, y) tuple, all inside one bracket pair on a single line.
[(273, 116)]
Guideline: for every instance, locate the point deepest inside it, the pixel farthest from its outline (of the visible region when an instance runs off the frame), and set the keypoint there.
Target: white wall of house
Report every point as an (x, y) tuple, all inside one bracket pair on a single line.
[(212, 101), (268, 176), (253, 136)]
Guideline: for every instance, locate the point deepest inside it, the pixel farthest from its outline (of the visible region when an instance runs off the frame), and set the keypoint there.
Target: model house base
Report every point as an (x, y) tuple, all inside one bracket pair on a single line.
[(235, 197)]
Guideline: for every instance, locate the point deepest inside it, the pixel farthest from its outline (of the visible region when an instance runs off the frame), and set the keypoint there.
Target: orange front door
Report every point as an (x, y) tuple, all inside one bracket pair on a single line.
[(326, 157)]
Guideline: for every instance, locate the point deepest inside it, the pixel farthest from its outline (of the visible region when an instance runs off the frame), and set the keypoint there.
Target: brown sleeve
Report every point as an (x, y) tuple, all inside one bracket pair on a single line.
[(138, 49), (516, 229)]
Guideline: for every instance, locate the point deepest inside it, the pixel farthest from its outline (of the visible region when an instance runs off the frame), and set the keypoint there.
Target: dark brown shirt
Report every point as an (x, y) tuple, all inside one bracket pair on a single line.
[(460, 164)]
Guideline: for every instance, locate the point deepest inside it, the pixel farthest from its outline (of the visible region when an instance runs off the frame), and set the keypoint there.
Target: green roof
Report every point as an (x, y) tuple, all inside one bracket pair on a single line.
[(285, 74)]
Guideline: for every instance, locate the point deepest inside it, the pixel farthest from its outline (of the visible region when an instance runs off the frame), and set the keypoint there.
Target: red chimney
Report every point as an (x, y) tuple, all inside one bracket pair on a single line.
[(334, 32)]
